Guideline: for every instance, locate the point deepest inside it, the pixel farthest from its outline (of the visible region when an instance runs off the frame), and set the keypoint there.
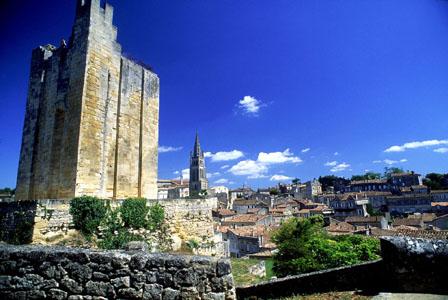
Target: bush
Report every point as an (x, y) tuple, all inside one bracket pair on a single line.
[(156, 216), (117, 224), (304, 247), (87, 213), (134, 213), (116, 236)]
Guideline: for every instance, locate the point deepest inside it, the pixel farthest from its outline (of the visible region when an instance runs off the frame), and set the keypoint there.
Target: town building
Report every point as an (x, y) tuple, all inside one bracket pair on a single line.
[(409, 203), (198, 174), (405, 179), (248, 240), (308, 190), (92, 117), (222, 194), (368, 221), (348, 205)]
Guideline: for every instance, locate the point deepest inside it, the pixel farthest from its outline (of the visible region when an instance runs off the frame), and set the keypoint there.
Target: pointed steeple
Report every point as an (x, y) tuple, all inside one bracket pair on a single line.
[(197, 146)]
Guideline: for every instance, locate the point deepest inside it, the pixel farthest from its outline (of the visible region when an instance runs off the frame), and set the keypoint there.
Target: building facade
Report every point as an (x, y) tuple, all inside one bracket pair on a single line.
[(198, 174), (92, 117)]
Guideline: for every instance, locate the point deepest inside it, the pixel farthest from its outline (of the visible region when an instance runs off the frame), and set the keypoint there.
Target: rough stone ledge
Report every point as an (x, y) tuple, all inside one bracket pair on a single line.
[(31, 271)]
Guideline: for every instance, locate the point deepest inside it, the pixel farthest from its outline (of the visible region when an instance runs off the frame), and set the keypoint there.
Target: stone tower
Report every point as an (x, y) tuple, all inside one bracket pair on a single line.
[(198, 175), (92, 117)]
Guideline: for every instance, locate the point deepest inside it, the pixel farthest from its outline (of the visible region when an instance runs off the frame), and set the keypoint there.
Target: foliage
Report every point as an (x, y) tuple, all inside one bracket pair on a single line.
[(192, 244), (436, 181), (388, 171), (366, 176), (134, 213), (241, 274), (332, 180), (7, 190), (22, 232), (296, 181), (372, 211), (304, 247), (116, 236), (156, 216), (87, 212), (132, 221), (273, 192)]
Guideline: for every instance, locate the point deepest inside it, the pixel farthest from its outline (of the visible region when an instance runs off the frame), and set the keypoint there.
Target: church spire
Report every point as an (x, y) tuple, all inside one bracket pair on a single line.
[(198, 174), (197, 146)]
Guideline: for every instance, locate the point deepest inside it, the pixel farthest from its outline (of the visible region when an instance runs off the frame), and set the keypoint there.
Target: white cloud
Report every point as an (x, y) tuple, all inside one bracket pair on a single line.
[(250, 105), (305, 150), (331, 163), (340, 167), (164, 149), (441, 150), (258, 168), (225, 167), (336, 153), (210, 175), (280, 178), (186, 174), (251, 168), (222, 181), (414, 145), (278, 157), (176, 172), (390, 161), (224, 156)]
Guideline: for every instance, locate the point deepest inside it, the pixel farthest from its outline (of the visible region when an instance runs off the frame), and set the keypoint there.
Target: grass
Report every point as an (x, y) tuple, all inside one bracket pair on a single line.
[(330, 296), (241, 274)]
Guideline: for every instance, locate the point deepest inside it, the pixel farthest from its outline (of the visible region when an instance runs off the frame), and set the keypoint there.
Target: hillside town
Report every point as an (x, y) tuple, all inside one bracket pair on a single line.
[(396, 203)]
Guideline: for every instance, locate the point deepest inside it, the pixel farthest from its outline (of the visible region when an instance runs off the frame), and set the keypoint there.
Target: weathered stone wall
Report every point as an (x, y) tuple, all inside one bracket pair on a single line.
[(36, 272), (92, 115), (417, 265), (187, 218)]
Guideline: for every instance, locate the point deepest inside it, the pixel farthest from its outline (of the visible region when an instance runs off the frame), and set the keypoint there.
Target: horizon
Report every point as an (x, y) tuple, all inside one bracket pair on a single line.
[(364, 84)]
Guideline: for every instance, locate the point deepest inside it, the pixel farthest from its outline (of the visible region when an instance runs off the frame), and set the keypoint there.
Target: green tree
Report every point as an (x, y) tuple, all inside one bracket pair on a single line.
[(296, 181), (273, 192), (436, 181), (388, 171), (303, 247), (366, 176), (332, 180)]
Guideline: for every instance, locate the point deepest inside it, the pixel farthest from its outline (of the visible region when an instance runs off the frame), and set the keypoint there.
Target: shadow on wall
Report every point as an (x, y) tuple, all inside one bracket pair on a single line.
[(17, 221), (409, 265)]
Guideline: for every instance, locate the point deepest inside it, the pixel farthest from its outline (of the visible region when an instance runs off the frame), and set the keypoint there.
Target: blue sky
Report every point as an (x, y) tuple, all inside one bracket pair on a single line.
[(263, 81)]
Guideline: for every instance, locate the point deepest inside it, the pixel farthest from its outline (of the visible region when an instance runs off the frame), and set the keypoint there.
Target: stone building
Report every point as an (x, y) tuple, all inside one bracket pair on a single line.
[(92, 117), (198, 174)]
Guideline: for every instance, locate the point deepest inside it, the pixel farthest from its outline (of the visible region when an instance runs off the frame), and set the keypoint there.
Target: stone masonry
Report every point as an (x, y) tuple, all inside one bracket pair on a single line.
[(37, 272), (188, 219), (91, 123)]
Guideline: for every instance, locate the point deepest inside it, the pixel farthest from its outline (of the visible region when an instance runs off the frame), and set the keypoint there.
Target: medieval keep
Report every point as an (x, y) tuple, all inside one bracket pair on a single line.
[(92, 117), (198, 175)]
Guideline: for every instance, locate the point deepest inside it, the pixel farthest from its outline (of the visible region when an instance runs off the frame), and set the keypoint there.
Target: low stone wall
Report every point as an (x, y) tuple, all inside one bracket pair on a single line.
[(35, 272), (415, 265), (408, 265), (350, 278), (50, 222)]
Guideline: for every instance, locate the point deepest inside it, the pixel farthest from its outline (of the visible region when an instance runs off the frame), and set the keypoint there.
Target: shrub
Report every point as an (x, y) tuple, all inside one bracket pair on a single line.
[(87, 213), (116, 236), (134, 213), (156, 216)]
